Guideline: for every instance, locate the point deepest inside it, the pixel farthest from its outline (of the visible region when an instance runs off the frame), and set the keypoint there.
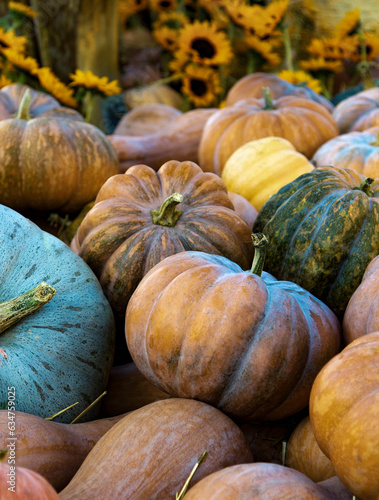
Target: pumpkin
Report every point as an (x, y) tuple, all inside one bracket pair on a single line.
[(52, 449), (243, 208), (157, 93), (304, 123), (154, 449), (128, 390), (143, 216), (259, 168), (358, 112), (344, 411), (323, 230), (249, 345), (21, 483), (356, 150), (146, 119), (263, 481), (41, 104), (252, 86), (362, 312), (178, 140), (62, 353), (50, 163), (304, 454)]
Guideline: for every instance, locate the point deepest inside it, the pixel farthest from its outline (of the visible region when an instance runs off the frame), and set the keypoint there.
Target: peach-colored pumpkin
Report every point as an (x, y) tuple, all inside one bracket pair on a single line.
[(358, 112)]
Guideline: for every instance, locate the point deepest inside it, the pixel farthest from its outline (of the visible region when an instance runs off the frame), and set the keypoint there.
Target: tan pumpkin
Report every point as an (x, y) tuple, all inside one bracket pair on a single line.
[(143, 216), (362, 312), (178, 140), (252, 86), (20, 483), (259, 168), (356, 150), (50, 163), (150, 453), (358, 112), (128, 390), (304, 454), (344, 411), (157, 93), (52, 449), (264, 481), (41, 104), (304, 123)]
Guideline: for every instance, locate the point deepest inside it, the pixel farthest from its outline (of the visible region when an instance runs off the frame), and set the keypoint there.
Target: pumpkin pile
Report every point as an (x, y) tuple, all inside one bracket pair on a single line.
[(209, 318)]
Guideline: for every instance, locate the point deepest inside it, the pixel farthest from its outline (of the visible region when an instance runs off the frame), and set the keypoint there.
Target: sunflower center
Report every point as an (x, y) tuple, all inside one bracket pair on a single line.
[(198, 87), (204, 48), (165, 4)]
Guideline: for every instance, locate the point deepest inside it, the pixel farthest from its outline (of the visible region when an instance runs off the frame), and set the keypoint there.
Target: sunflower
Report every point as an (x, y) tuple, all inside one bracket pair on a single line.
[(20, 62), (4, 81), (163, 5), (216, 11), (242, 14), (301, 77), (173, 20), (9, 40), (177, 64), (364, 42), (20, 9), (322, 64), (201, 84), (127, 8), (56, 88), (263, 48), (90, 81), (332, 48), (349, 24), (205, 44), (166, 37)]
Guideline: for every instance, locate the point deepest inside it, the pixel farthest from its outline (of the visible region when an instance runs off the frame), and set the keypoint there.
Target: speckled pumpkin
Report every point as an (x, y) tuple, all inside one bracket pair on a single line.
[(200, 327), (323, 230), (304, 123), (143, 216), (51, 163), (62, 353), (356, 150)]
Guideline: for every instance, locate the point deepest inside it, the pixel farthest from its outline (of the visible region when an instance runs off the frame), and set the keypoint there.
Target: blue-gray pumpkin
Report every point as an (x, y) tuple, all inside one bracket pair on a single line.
[(62, 353)]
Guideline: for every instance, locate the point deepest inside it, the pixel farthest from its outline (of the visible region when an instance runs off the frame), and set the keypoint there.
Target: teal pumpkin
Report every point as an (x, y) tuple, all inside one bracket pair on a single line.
[(62, 353), (323, 230)]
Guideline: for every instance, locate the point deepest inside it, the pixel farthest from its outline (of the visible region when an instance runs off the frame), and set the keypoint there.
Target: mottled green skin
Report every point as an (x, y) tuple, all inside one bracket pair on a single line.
[(63, 353), (322, 233)]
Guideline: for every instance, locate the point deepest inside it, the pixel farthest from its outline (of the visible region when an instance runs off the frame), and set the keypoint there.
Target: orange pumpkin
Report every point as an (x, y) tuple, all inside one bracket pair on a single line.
[(50, 163), (24, 484), (344, 411), (362, 312), (143, 216), (197, 326), (356, 150), (304, 123), (251, 86), (358, 112)]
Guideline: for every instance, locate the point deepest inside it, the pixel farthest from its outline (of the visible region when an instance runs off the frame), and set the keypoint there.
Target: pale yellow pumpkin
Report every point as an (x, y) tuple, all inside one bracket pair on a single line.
[(259, 168)]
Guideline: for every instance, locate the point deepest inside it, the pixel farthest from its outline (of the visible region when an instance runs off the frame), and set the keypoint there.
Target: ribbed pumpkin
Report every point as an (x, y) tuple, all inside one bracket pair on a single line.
[(356, 150), (41, 104), (51, 163), (62, 353), (304, 123), (259, 168), (200, 327), (251, 86), (358, 112), (143, 216), (344, 411), (323, 230), (362, 312), (262, 481), (153, 450)]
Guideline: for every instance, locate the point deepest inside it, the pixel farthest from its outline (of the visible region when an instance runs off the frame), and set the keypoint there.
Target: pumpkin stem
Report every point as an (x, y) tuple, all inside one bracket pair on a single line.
[(23, 110), (167, 214), (365, 186), (3, 454), (269, 104), (12, 311), (376, 142), (259, 241)]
